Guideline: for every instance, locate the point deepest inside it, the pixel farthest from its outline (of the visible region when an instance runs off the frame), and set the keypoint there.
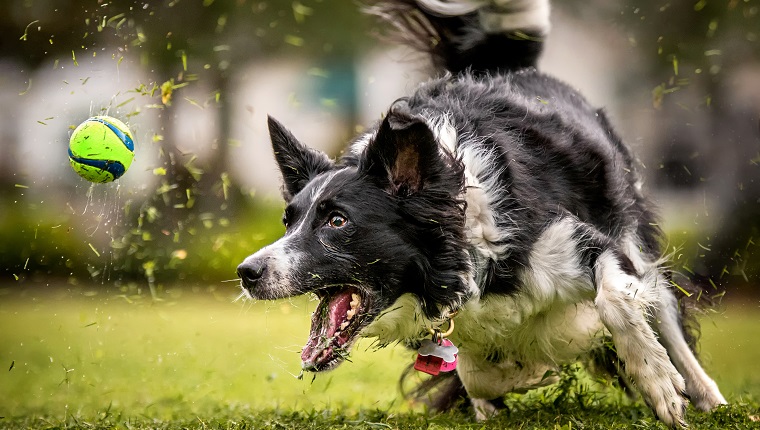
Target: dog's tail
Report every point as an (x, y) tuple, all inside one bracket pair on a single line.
[(482, 36)]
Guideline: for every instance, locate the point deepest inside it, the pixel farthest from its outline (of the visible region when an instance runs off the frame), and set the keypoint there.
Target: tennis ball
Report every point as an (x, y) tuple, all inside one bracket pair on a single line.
[(101, 149)]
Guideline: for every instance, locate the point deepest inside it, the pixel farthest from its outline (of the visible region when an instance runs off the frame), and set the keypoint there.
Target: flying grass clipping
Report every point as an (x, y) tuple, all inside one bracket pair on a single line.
[(101, 149)]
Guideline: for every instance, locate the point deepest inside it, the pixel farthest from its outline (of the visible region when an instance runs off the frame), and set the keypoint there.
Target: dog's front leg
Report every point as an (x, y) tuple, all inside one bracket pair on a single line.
[(702, 390), (624, 303)]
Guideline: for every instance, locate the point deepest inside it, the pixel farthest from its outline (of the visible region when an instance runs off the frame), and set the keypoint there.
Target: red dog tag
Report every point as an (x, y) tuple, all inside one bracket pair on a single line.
[(429, 364), (448, 366)]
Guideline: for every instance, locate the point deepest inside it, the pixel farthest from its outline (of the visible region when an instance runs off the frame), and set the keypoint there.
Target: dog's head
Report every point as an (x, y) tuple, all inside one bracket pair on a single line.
[(361, 232)]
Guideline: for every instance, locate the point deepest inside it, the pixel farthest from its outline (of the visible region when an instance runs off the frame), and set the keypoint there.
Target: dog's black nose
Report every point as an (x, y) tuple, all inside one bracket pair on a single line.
[(251, 272)]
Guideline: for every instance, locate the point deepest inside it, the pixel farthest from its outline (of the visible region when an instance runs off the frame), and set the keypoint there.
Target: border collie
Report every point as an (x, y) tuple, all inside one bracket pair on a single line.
[(494, 195)]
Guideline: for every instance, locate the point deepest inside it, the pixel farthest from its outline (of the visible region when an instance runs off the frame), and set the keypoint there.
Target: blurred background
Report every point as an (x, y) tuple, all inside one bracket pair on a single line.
[(195, 80)]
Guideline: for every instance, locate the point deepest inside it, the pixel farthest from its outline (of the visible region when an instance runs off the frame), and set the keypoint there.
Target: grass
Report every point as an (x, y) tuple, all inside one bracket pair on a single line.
[(93, 359)]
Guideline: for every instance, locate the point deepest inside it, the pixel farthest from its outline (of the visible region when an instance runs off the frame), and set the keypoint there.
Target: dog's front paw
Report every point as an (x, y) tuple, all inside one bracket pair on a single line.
[(705, 395), (668, 401), (709, 402)]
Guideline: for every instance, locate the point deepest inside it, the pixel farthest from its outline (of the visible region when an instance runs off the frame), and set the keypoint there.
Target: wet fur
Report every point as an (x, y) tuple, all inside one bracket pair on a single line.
[(500, 193)]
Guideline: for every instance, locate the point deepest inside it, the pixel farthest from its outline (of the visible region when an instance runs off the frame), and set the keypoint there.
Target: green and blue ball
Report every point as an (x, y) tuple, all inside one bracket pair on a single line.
[(101, 149)]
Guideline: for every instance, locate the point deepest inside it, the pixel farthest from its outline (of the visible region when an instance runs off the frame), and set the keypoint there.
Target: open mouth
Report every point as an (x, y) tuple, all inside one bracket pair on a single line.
[(335, 324)]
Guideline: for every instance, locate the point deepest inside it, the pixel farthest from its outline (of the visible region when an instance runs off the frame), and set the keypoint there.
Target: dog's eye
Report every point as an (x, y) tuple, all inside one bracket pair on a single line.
[(337, 221), (285, 221)]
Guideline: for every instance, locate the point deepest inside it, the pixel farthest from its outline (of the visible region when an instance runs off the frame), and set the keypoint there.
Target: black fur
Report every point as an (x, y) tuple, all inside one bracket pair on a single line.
[(547, 136), (298, 163)]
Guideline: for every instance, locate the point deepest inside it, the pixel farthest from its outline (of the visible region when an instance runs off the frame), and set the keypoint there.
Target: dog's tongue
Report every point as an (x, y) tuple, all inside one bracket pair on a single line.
[(329, 315)]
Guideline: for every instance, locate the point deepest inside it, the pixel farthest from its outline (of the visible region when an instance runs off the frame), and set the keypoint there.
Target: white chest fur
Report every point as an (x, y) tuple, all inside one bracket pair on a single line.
[(505, 327)]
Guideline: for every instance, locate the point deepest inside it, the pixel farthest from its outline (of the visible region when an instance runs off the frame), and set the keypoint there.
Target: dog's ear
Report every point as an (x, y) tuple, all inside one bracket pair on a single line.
[(298, 163), (404, 154)]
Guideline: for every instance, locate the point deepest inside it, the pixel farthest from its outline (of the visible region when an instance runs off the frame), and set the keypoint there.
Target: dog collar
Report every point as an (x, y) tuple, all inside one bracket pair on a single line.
[(437, 354)]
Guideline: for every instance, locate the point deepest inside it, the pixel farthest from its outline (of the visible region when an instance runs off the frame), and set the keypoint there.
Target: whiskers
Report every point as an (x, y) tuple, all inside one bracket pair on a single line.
[(244, 295)]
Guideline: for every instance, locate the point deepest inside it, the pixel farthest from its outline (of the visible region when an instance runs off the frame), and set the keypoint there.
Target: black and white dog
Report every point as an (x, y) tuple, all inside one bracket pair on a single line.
[(495, 193)]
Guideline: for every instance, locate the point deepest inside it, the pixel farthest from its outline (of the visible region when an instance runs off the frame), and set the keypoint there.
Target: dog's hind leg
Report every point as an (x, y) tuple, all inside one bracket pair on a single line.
[(624, 304), (702, 391), (484, 409), (604, 363), (487, 382)]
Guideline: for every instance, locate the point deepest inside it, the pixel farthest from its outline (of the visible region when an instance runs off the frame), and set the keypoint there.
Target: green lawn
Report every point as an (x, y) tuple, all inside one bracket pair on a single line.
[(91, 358)]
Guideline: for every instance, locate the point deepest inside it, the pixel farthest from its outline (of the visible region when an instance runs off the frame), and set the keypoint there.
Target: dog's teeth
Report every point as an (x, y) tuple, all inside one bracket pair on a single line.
[(350, 313), (344, 325), (355, 300)]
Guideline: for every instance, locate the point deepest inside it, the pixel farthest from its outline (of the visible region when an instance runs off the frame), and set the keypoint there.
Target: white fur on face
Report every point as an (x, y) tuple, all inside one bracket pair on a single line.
[(281, 262), (315, 196)]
